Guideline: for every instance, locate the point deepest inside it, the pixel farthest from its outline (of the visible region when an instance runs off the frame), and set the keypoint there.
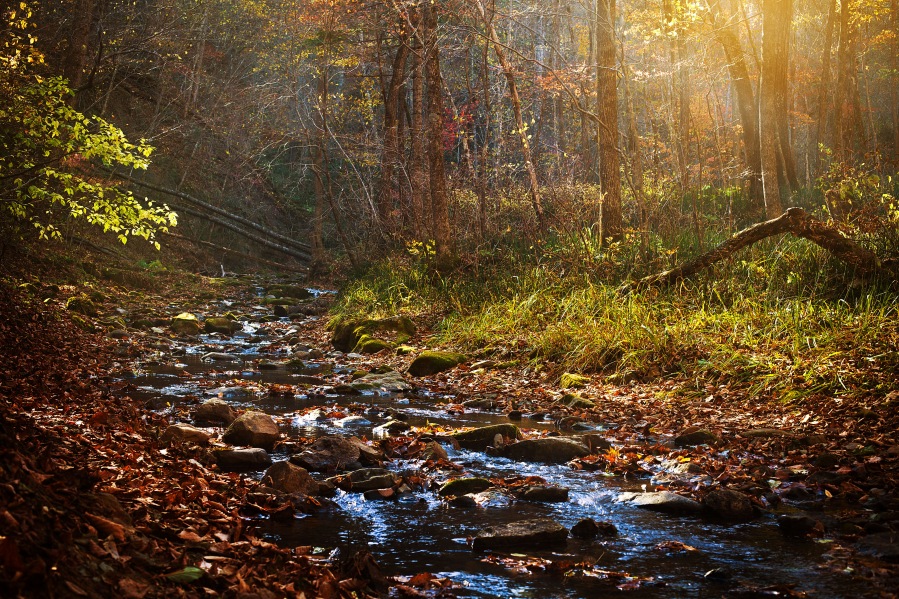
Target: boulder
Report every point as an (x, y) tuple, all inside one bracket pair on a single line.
[(662, 501), (371, 345), (254, 429), (346, 335), (215, 410), (729, 504), (538, 532), (220, 324), (595, 443), (480, 438), (389, 382), (328, 454), (570, 380), (184, 433), (544, 493), (575, 402), (289, 478), (546, 450), (215, 356), (588, 528), (185, 324), (368, 455), (691, 437), (290, 291), (352, 422), (242, 460), (434, 451), (799, 525), (390, 427), (81, 304), (432, 362), (464, 486), (364, 479)]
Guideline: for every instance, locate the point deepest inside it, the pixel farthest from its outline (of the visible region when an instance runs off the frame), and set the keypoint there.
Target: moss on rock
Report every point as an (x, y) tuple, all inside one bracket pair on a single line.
[(432, 362)]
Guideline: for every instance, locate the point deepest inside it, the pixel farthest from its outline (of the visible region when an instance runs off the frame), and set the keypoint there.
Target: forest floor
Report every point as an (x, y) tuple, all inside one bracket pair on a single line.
[(94, 505)]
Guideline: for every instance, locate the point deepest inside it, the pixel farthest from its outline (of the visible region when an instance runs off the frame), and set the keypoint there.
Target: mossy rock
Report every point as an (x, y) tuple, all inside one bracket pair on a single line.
[(221, 324), (432, 362), (404, 350), (185, 324), (82, 305), (371, 345), (281, 301), (347, 334), (295, 291), (464, 486), (480, 438), (573, 381), (576, 402)]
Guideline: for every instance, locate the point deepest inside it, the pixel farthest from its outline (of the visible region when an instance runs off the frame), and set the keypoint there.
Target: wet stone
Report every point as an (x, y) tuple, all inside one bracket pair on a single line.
[(588, 528), (328, 454), (480, 438), (215, 411), (184, 433), (254, 429), (797, 525), (665, 502), (596, 443), (537, 532), (364, 479), (729, 504), (690, 438), (464, 486), (434, 451), (884, 545), (242, 460), (548, 450), (289, 478), (544, 493)]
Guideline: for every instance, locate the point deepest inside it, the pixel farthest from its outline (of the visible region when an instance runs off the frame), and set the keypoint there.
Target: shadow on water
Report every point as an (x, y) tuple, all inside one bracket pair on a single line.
[(422, 534)]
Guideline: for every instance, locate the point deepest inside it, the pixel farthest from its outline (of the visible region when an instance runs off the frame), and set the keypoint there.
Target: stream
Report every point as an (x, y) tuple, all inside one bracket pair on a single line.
[(670, 556)]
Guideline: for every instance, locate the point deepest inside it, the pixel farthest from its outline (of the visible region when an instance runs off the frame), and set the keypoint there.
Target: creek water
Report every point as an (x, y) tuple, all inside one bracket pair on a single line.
[(421, 533)]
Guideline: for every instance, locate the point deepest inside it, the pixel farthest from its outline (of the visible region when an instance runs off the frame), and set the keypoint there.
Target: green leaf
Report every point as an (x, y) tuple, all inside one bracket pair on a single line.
[(187, 575)]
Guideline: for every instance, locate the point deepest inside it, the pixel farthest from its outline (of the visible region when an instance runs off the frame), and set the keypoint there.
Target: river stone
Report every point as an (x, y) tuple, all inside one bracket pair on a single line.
[(544, 493), (289, 478), (215, 356), (220, 324), (328, 454), (464, 486), (185, 324), (689, 438), (546, 450), (391, 426), (766, 433), (570, 380), (798, 525), (292, 291), (729, 504), (588, 528), (346, 335), (595, 442), (352, 421), (184, 433), (364, 479), (480, 438), (215, 410), (576, 402), (662, 501), (389, 382), (538, 532), (241, 460), (371, 345), (81, 304), (434, 451), (254, 429), (368, 455), (884, 545), (432, 362)]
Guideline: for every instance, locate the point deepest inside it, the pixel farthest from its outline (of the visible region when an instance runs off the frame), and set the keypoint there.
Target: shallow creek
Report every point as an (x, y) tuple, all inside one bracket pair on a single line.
[(421, 533)]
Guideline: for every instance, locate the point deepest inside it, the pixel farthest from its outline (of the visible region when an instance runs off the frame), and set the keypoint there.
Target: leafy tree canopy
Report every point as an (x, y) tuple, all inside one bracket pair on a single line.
[(47, 149)]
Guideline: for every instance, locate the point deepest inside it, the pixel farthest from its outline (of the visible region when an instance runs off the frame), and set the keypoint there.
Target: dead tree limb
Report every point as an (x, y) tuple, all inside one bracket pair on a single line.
[(289, 242), (242, 255), (795, 221)]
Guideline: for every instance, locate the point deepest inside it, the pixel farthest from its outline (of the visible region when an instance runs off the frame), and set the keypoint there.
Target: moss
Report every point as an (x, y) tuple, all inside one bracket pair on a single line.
[(573, 381), (220, 324), (370, 345), (81, 304), (432, 362), (185, 324), (576, 402)]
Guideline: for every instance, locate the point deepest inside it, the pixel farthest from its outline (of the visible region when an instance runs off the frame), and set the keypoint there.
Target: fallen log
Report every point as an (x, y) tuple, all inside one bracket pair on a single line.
[(287, 241), (219, 248), (795, 221)]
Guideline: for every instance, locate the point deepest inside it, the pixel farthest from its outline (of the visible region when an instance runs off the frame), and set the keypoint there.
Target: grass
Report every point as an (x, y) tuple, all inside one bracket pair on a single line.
[(782, 319)]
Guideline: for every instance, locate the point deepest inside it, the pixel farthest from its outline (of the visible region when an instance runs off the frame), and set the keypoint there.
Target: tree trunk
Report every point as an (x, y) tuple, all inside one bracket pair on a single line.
[(418, 174), (516, 110), (679, 88), (746, 107), (390, 154), (607, 128), (847, 115), (79, 41), (773, 94), (796, 221), (894, 89), (824, 91), (439, 202)]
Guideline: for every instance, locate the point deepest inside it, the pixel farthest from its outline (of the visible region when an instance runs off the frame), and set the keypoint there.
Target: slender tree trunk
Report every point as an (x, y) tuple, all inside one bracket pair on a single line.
[(79, 42), (824, 91), (485, 145), (320, 166), (439, 201), (536, 202), (729, 39), (633, 152), (679, 89), (894, 89), (607, 113), (847, 114), (390, 154), (418, 174), (775, 41)]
